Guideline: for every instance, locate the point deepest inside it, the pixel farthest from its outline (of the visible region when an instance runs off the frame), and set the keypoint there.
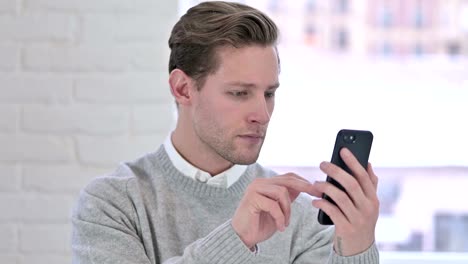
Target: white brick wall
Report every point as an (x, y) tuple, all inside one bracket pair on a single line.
[(9, 235), (10, 179), (89, 119), (8, 118), (104, 151), (83, 86), (43, 259), (26, 88), (110, 57), (147, 88), (36, 27), (8, 6), (107, 6), (10, 57), (31, 238)]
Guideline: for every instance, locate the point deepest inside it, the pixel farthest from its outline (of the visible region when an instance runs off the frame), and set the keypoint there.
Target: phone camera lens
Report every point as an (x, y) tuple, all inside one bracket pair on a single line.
[(349, 138)]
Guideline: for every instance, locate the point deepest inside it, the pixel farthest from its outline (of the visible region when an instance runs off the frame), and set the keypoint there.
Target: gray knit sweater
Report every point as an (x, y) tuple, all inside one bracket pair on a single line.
[(148, 212)]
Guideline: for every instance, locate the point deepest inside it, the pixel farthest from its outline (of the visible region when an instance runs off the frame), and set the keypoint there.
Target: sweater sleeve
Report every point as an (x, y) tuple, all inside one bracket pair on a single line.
[(103, 229), (370, 256), (221, 246), (105, 232)]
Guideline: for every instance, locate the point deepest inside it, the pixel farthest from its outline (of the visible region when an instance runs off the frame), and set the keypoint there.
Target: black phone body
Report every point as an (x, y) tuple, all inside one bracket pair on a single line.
[(359, 142)]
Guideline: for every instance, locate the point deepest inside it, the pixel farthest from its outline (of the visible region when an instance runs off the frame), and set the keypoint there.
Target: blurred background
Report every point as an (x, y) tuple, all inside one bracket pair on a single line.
[(83, 86)]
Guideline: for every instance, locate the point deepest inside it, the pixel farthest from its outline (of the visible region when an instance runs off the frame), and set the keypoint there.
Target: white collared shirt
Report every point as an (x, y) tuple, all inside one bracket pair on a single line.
[(224, 179)]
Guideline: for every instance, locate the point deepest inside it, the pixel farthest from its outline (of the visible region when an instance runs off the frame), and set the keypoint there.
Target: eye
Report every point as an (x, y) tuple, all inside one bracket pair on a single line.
[(239, 93), (270, 94)]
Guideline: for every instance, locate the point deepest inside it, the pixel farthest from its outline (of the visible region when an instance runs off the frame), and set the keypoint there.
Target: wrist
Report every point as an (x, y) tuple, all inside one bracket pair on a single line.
[(346, 249), (251, 245)]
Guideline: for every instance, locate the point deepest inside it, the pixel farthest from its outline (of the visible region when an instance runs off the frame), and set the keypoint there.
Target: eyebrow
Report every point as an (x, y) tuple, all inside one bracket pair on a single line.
[(251, 85)]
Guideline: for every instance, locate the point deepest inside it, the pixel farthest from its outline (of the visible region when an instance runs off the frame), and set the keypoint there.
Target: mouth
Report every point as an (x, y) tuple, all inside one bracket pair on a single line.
[(254, 135), (253, 138)]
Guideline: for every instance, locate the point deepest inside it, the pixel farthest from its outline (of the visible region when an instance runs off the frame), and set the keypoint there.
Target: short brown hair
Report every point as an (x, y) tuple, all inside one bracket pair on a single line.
[(210, 25)]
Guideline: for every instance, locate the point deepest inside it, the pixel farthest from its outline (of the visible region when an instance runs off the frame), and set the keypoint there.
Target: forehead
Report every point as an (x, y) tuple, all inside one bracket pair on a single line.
[(251, 63), (233, 53)]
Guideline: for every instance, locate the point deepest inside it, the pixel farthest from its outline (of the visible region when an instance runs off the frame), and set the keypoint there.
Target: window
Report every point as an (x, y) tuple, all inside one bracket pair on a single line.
[(385, 17), (310, 34), (341, 6), (418, 49), (418, 17), (386, 49), (311, 6), (451, 231), (453, 48), (341, 40)]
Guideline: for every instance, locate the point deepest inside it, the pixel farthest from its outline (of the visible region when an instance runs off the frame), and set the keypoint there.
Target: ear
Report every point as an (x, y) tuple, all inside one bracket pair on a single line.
[(181, 86)]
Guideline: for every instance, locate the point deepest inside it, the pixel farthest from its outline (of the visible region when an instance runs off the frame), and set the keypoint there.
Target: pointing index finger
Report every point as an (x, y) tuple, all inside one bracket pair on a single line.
[(295, 185)]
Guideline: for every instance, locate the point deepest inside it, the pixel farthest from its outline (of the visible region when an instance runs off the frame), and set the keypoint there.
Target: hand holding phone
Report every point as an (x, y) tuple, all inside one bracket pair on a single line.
[(359, 142)]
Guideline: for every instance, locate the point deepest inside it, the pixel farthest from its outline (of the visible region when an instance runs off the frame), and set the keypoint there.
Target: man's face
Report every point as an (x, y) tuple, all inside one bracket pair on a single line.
[(232, 110)]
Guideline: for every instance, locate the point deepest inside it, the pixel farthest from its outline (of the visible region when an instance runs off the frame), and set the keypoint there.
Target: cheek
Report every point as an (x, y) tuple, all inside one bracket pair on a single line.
[(271, 106), (214, 111), (223, 108), (222, 112)]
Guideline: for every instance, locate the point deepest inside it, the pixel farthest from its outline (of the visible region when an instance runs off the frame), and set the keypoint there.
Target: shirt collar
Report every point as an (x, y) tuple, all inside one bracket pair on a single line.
[(224, 179)]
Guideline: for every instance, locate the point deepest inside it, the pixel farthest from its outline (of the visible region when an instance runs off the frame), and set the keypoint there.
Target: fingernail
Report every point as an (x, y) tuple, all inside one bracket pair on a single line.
[(323, 164)]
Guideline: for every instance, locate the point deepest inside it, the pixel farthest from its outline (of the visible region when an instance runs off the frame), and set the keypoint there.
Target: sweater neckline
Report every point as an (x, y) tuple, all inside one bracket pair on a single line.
[(189, 185)]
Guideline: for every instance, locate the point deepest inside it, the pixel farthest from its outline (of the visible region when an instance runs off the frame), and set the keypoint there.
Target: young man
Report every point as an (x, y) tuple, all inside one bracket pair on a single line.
[(201, 198)]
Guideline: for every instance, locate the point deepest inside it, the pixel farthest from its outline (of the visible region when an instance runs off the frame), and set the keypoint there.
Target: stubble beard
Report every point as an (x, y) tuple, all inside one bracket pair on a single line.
[(224, 145)]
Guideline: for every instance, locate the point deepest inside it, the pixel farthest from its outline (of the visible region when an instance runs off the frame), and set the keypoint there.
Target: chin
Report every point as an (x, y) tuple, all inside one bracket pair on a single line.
[(245, 162), (245, 159)]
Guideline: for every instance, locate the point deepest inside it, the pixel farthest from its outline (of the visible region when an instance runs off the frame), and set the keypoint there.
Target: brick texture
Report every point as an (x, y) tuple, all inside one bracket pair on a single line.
[(10, 180), (87, 119), (32, 148), (109, 151), (32, 238), (35, 88), (8, 118), (83, 86), (9, 258), (124, 89), (153, 119), (38, 258), (105, 6), (10, 238), (93, 58), (10, 55), (45, 27), (58, 179), (8, 6), (31, 207)]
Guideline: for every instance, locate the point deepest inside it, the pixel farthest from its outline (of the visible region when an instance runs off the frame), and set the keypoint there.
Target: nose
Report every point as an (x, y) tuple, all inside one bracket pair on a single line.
[(261, 112)]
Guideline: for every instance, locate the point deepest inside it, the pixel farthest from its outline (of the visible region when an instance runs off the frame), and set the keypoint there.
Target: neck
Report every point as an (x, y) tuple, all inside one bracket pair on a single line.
[(192, 149)]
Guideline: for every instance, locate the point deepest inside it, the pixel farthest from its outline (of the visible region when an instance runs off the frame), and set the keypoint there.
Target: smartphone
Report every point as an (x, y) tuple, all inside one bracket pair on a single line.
[(359, 142)]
